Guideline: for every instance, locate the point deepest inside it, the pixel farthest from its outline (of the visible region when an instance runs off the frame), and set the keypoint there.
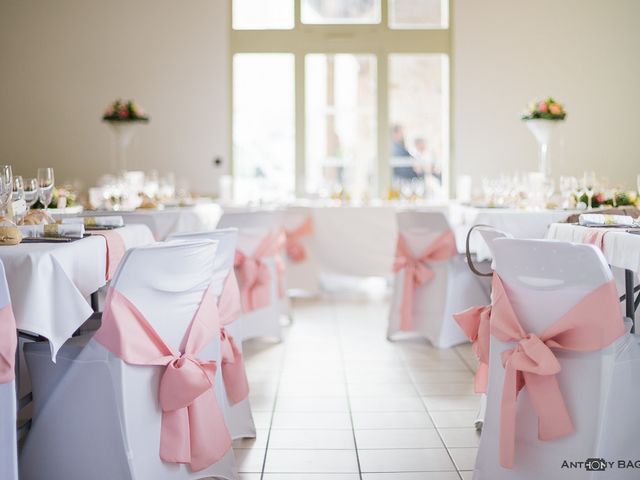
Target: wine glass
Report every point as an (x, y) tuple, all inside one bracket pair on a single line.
[(17, 195), (568, 187), (31, 190), (6, 186), (589, 185), (46, 183)]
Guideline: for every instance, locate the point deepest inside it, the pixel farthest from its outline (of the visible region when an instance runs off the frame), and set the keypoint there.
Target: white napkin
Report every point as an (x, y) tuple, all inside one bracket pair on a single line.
[(106, 221), (53, 230), (591, 219)]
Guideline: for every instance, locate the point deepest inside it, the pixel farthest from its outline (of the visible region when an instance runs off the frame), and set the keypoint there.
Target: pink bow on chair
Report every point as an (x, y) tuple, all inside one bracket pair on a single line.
[(295, 249), (416, 271), (592, 324), (253, 274), (193, 428), (8, 344), (233, 371), (475, 323)]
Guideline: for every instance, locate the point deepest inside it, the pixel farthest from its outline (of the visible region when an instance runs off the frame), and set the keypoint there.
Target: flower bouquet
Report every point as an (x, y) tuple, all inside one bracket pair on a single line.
[(125, 111), (123, 117), (547, 109), (542, 118)]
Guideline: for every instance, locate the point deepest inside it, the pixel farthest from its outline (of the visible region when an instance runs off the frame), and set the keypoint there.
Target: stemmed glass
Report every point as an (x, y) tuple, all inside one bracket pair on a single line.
[(568, 186), (30, 192), (589, 185), (6, 187), (46, 183), (17, 195)]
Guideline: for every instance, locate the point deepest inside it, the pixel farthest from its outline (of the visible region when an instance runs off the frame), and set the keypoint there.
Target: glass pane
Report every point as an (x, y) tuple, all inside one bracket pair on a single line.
[(419, 119), (341, 125), (262, 14), (340, 11), (263, 125), (418, 13)]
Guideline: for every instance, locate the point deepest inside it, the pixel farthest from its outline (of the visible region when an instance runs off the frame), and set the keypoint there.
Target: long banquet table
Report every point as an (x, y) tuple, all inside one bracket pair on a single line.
[(361, 240), (51, 283), (168, 221), (620, 248)]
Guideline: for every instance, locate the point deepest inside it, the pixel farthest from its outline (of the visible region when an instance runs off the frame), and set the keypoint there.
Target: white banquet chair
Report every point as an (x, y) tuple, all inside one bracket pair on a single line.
[(543, 282), (446, 285), (104, 420), (8, 403), (259, 249), (303, 271), (238, 416)]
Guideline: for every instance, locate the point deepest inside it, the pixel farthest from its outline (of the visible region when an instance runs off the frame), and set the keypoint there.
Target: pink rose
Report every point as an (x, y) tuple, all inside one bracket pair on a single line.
[(542, 107), (123, 113), (109, 111), (555, 109)]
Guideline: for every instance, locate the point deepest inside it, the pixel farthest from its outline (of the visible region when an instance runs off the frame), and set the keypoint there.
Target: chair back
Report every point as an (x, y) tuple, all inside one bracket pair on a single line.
[(227, 239), (252, 226), (543, 280)]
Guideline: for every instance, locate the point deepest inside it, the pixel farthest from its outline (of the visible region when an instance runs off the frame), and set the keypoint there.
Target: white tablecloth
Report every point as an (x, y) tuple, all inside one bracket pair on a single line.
[(620, 249), (50, 283), (163, 223), (361, 240)]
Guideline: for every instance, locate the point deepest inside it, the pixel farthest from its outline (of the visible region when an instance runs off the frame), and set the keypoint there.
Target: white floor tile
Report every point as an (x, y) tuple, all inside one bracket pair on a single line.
[(405, 460), (452, 402), (402, 438), (311, 461), (306, 420), (411, 476), (460, 437), (454, 419), (386, 404), (465, 458), (312, 404), (292, 439), (393, 420)]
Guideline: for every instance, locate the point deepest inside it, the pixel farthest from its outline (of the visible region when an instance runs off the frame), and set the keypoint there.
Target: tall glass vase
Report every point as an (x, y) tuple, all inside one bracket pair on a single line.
[(543, 131), (123, 133)]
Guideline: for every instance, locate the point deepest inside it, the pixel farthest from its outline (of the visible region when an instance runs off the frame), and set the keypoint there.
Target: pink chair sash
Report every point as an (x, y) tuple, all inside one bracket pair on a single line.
[(595, 236), (253, 274), (233, 372), (8, 344), (115, 250), (475, 322), (416, 271), (193, 428), (590, 325), (295, 249)]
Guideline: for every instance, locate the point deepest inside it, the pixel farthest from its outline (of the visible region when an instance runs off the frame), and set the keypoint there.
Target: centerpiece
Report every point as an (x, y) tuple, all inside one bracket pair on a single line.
[(542, 118), (123, 116)]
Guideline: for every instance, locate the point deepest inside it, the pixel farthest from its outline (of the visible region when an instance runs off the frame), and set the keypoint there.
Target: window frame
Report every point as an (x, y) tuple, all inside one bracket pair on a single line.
[(376, 39)]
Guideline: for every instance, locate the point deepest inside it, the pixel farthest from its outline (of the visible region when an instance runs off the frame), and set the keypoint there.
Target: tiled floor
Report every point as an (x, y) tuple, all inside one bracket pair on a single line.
[(336, 401)]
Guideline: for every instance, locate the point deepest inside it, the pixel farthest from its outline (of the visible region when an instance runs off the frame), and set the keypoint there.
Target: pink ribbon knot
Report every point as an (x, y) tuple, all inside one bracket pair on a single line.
[(592, 324), (416, 271), (255, 282)]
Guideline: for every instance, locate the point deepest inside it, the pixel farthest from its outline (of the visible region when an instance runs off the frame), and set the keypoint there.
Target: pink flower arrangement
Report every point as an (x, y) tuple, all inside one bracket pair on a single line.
[(547, 109), (124, 111)]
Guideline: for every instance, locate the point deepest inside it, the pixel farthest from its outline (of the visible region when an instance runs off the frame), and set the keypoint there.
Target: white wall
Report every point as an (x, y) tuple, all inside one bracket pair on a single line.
[(585, 53), (63, 61)]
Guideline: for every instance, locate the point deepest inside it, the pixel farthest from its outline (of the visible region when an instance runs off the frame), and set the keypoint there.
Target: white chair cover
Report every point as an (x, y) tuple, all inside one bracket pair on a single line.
[(102, 421), (8, 407), (544, 279), (253, 227), (303, 277), (238, 417), (452, 289)]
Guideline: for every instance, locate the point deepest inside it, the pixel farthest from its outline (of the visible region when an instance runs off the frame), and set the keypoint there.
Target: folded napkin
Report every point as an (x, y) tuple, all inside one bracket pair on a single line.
[(53, 230), (106, 221), (589, 219)]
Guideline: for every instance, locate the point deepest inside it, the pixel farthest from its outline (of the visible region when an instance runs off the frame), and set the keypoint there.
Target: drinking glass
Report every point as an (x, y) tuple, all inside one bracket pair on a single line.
[(6, 187), (17, 195), (46, 182), (30, 191), (589, 185)]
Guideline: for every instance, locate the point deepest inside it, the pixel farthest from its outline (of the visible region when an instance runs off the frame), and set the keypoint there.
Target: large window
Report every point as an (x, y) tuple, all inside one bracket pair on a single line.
[(340, 98)]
